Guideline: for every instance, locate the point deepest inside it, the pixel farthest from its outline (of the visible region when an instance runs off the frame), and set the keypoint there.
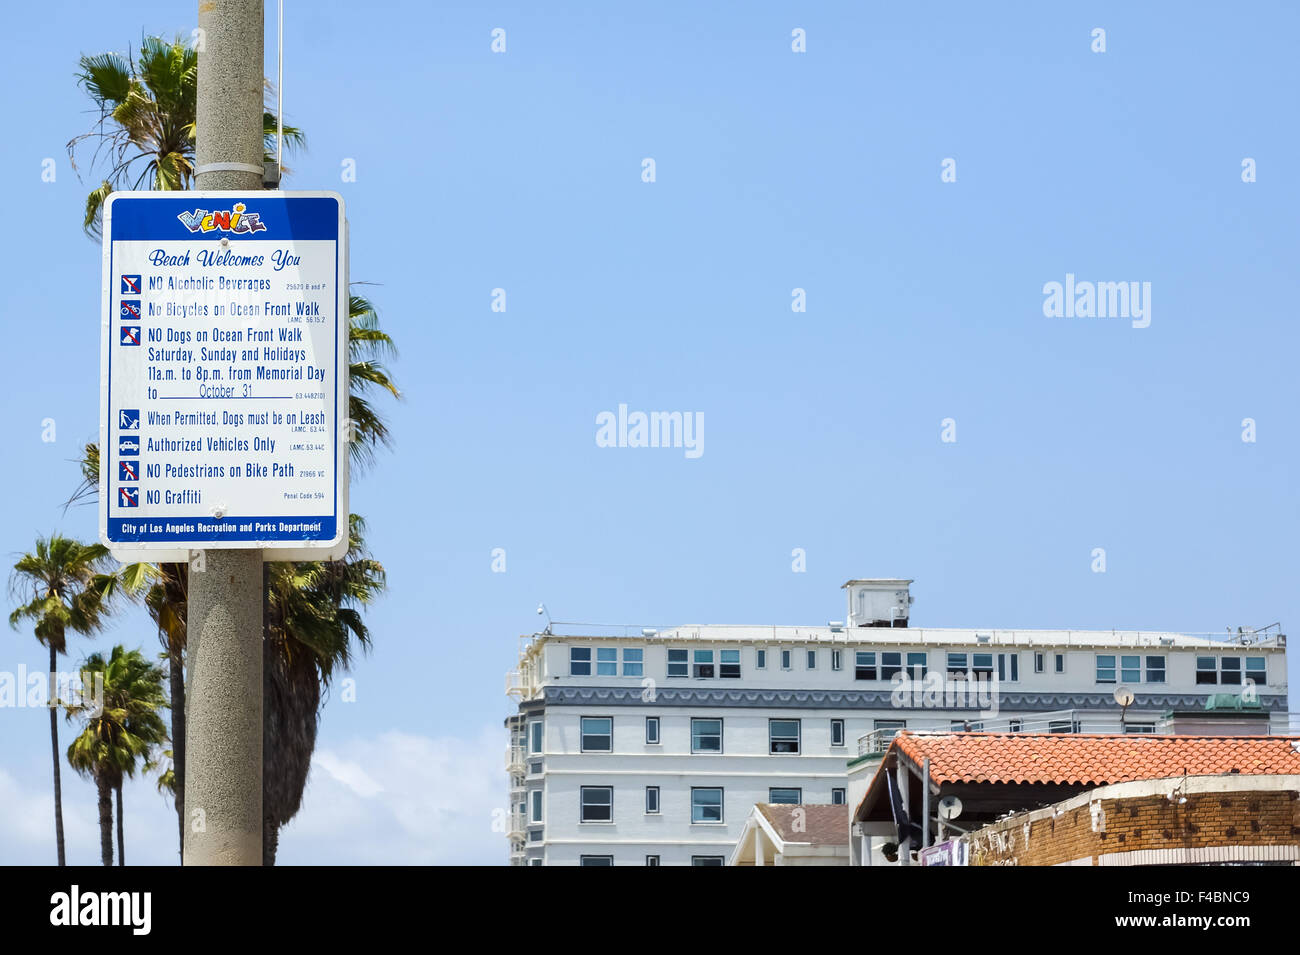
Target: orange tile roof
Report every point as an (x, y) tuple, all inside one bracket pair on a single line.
[(1099, 759), (823, 825)]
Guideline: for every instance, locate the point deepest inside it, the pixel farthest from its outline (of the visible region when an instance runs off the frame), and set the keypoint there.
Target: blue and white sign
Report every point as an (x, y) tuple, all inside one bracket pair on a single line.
[(224, 374)]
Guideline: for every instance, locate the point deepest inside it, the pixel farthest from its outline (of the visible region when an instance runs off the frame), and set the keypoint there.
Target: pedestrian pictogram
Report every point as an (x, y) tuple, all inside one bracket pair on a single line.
[(130, 285), (128, 419), (128, 470), (128, 496), (130, 335)]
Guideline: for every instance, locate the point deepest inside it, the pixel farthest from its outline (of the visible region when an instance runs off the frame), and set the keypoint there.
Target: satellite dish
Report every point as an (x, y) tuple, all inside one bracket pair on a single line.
[(1123, 696), (949, 807)]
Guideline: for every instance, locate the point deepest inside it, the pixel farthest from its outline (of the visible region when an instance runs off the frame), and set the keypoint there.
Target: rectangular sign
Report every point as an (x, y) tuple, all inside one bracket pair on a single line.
[(224, 389)]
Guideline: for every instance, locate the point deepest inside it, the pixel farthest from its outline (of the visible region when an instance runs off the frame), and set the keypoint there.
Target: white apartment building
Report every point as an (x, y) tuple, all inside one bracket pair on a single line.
[(653, 749)]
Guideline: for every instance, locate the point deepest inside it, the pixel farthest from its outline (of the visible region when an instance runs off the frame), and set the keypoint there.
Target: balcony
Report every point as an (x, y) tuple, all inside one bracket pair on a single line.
[(516, 827), (515, 685), (515, 760)]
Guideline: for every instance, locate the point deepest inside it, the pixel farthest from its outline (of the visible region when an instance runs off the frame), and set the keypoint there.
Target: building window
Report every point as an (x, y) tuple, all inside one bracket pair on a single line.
[(633, 661), (838, 796), (1063, 726), (837, 659), (708, 860), (652, 800), (1139, 728), (916, 664), (785, 796), (865, 665), (1228, 670), (597, 734), (706, 805), (595, 860), (651, 860), (652, 729), (891, 662), (596, 804), (535, 814), (1060, 663), (1105, 668), (762, 660), (1013, 726), (1008, 667), (785, 660), (1155, 669), (812, 659), (706, 736), (729, 667), (783, 736), (891, 727), (535, 861), (535, 737), (982, 665), (579, 661), (677, 663), (956, 664), (837, 732), (1039, 664), (607, 661), (703, 669), (1130, 669)]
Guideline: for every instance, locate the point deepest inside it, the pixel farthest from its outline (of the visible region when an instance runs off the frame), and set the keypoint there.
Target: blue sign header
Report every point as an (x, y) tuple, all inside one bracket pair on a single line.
[(190, 217)]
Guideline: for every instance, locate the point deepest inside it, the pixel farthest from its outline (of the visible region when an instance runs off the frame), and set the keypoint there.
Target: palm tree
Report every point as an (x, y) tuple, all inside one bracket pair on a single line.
[(147, 106), (311, 620), (64, 585), (121, 730)]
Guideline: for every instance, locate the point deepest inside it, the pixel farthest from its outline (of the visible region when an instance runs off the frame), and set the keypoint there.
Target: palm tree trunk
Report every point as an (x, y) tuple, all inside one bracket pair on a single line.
[(54, 744), (121, 847), (105, 819), (270, 840), (176, 675)]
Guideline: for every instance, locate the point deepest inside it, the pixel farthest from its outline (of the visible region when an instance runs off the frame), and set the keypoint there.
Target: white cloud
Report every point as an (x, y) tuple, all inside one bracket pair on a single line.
[(27, 820), (403, 799)]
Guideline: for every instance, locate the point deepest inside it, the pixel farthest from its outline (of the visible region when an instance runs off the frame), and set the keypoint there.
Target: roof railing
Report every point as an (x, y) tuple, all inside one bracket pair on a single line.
[(921, 636)]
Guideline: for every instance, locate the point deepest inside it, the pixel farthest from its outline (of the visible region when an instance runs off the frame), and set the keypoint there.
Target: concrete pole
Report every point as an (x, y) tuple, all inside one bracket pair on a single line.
[(223, 746)]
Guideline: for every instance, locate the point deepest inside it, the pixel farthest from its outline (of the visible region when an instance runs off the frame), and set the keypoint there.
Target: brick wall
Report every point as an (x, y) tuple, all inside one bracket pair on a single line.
[(1128, 817)]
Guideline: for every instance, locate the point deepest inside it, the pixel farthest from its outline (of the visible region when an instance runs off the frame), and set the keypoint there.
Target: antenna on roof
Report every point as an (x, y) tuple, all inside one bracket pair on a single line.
[(949, 807), (541, 608), (1124, 697)]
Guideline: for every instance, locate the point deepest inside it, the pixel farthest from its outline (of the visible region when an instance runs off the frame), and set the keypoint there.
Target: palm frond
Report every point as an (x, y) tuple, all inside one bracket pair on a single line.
[(106, 77)]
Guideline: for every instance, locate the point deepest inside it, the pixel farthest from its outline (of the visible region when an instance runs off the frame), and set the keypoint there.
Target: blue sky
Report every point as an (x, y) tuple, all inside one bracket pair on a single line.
[(774, 171)]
